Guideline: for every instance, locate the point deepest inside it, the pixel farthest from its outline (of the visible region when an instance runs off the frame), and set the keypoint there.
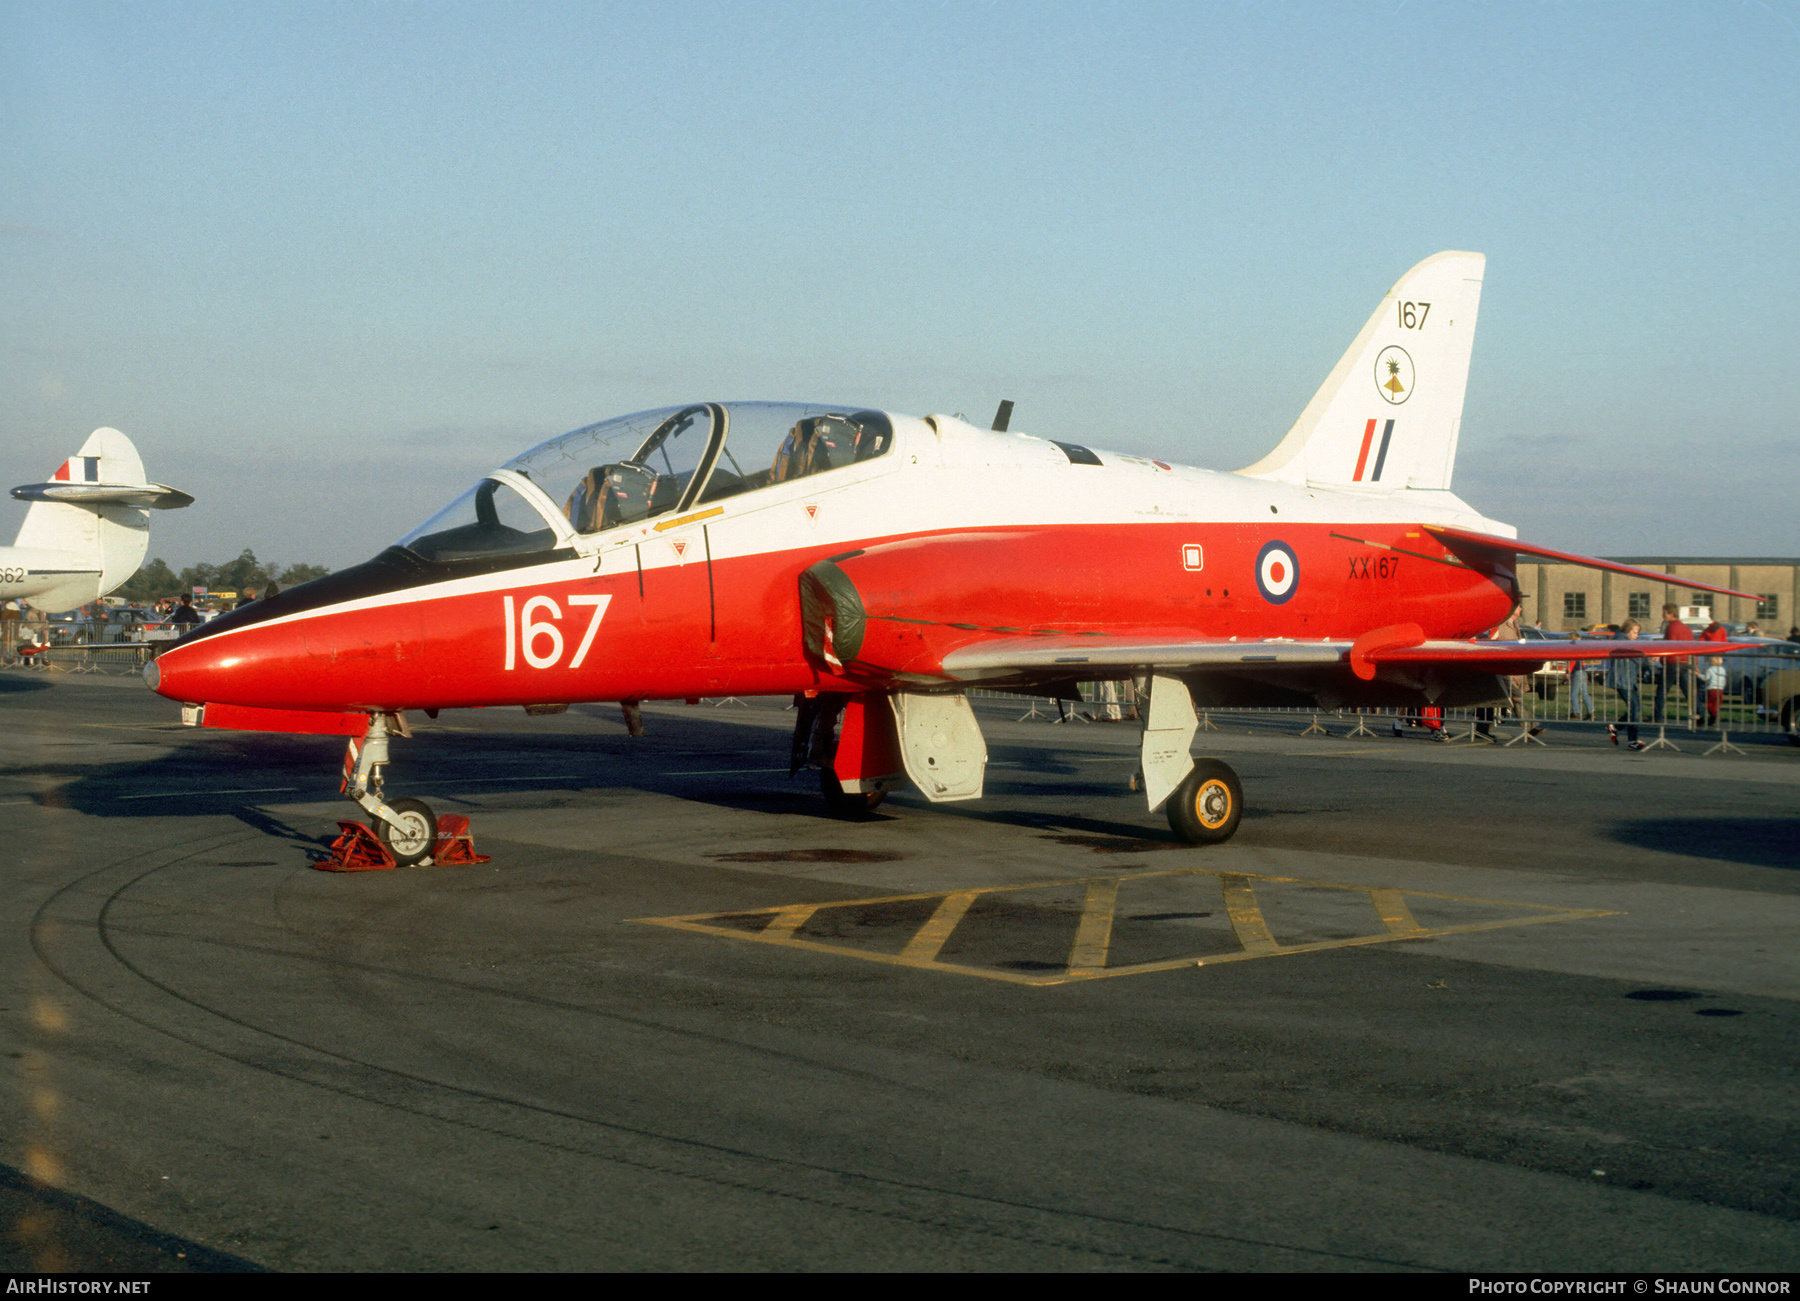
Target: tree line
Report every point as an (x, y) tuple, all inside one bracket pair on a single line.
[(156, 579)]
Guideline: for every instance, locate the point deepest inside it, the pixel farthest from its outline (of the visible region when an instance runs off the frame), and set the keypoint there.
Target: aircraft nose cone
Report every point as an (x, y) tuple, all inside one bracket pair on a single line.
[(227, 656)]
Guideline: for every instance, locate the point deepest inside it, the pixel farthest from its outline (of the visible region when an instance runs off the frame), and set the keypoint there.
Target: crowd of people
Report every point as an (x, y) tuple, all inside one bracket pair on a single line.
[(1700, 680)]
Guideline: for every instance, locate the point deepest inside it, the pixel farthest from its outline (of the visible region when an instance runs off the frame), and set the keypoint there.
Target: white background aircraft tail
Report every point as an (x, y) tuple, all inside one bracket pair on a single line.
[(1388, 415), (106, 537)]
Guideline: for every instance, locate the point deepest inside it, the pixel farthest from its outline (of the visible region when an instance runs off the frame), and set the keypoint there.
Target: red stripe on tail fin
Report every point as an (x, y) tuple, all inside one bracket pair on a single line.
[(1362, 457)]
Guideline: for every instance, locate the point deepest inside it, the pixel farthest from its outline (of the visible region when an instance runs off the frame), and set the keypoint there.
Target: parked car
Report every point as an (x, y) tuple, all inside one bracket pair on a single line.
[(151, 625), (1547, 679), (1746, 672), (66, 628), (126, 623), (1781, 700)]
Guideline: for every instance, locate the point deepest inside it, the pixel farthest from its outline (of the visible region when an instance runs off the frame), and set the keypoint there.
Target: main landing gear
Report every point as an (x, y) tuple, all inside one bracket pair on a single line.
[(1205, 808), (1205, 798), (862, 744), (819, 727), (850, 803), (406, 827)]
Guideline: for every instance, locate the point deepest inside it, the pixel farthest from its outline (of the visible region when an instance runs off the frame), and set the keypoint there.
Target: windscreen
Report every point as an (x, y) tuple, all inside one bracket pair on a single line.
[(625, 469), (489, 519), (639, 466)]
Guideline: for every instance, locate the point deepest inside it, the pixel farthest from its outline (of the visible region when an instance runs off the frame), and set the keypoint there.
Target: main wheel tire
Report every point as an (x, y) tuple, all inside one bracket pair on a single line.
[(413, 839), (1206, 807), (849, 802)]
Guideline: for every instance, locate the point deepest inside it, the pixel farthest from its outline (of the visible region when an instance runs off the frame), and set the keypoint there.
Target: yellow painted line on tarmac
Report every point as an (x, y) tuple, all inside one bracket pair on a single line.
[(1390, 906), (787, 921), (1246, 918), (1391, 918), (922, 949), (1093, 936)]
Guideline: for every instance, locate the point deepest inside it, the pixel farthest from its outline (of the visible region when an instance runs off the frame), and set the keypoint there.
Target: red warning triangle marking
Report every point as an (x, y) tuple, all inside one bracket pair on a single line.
[(812, 509), (680, 548)]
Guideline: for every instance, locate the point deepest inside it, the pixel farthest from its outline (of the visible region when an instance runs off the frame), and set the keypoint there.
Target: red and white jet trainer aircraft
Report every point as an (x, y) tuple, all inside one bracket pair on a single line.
[(886, 563)]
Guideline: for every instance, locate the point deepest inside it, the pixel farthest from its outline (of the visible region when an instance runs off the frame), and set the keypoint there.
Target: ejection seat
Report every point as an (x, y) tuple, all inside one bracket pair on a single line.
[(582, 508), (822, 443), (628, 491)]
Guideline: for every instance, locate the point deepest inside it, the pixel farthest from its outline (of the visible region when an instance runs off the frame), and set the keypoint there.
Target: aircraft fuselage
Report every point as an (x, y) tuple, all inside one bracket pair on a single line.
[(954, 534)]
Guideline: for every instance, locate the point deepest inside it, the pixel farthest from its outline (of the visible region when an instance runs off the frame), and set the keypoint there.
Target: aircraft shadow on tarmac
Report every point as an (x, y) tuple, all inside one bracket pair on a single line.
[(1102, 835), (1759, 842), (13, 684), (718, 763), (56, 1232), (230, 773)]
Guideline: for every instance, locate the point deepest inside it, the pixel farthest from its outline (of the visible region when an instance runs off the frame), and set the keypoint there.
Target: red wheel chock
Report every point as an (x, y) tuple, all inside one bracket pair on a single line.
[(358, 849), (455, 842)]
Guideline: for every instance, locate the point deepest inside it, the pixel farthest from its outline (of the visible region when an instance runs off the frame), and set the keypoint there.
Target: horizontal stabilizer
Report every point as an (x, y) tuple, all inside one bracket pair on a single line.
[(154, 496), (1514, 657), (1510, 546)]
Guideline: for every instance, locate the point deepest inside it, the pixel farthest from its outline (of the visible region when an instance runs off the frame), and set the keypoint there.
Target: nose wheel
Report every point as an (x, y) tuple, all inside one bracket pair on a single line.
[(412, 832), (407, 827)]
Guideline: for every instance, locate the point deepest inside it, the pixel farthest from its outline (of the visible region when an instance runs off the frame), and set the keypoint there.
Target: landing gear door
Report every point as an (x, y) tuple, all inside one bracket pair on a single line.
[(1169, 727), (941, 745)]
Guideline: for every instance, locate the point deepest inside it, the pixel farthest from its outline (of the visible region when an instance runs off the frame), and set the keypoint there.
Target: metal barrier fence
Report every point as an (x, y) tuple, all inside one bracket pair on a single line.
[(1707, 696), (1707, 699), (102, 645), (119, 658)]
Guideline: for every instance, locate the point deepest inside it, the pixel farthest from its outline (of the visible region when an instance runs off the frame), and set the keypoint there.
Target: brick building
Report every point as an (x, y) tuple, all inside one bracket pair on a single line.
[(1567, 596)]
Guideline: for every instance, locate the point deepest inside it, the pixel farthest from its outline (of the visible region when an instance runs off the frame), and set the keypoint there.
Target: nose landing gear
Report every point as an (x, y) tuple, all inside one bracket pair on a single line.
[(407, 827)]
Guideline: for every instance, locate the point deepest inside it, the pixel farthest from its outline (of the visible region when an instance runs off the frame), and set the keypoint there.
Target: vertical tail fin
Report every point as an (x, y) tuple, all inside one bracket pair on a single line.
[(107, 535), (1388, 415), (107, 457)]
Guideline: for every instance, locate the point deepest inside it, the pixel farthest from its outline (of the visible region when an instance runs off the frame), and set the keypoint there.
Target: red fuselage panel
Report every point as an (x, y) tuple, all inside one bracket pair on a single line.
[(732, 625)]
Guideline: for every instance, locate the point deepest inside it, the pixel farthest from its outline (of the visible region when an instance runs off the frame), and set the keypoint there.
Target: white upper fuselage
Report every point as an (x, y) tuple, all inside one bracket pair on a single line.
[(943, 474)]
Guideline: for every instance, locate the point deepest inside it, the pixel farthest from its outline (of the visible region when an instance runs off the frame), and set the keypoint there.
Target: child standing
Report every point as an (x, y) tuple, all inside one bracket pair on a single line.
[(1714, 678)]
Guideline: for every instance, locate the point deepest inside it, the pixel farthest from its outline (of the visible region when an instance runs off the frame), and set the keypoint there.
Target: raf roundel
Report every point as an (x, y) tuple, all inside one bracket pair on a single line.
[(1277, 572)]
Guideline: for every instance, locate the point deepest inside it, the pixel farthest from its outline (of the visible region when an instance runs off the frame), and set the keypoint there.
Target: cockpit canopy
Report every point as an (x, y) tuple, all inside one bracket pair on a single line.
[(636, 467)]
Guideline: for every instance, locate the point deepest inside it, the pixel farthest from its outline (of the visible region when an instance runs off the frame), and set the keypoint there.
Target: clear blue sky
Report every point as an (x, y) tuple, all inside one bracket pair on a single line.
[(327, 262)]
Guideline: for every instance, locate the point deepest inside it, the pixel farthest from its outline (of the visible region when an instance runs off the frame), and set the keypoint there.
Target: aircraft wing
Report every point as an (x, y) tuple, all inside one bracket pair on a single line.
[(1072, 656), (1398, 644)]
